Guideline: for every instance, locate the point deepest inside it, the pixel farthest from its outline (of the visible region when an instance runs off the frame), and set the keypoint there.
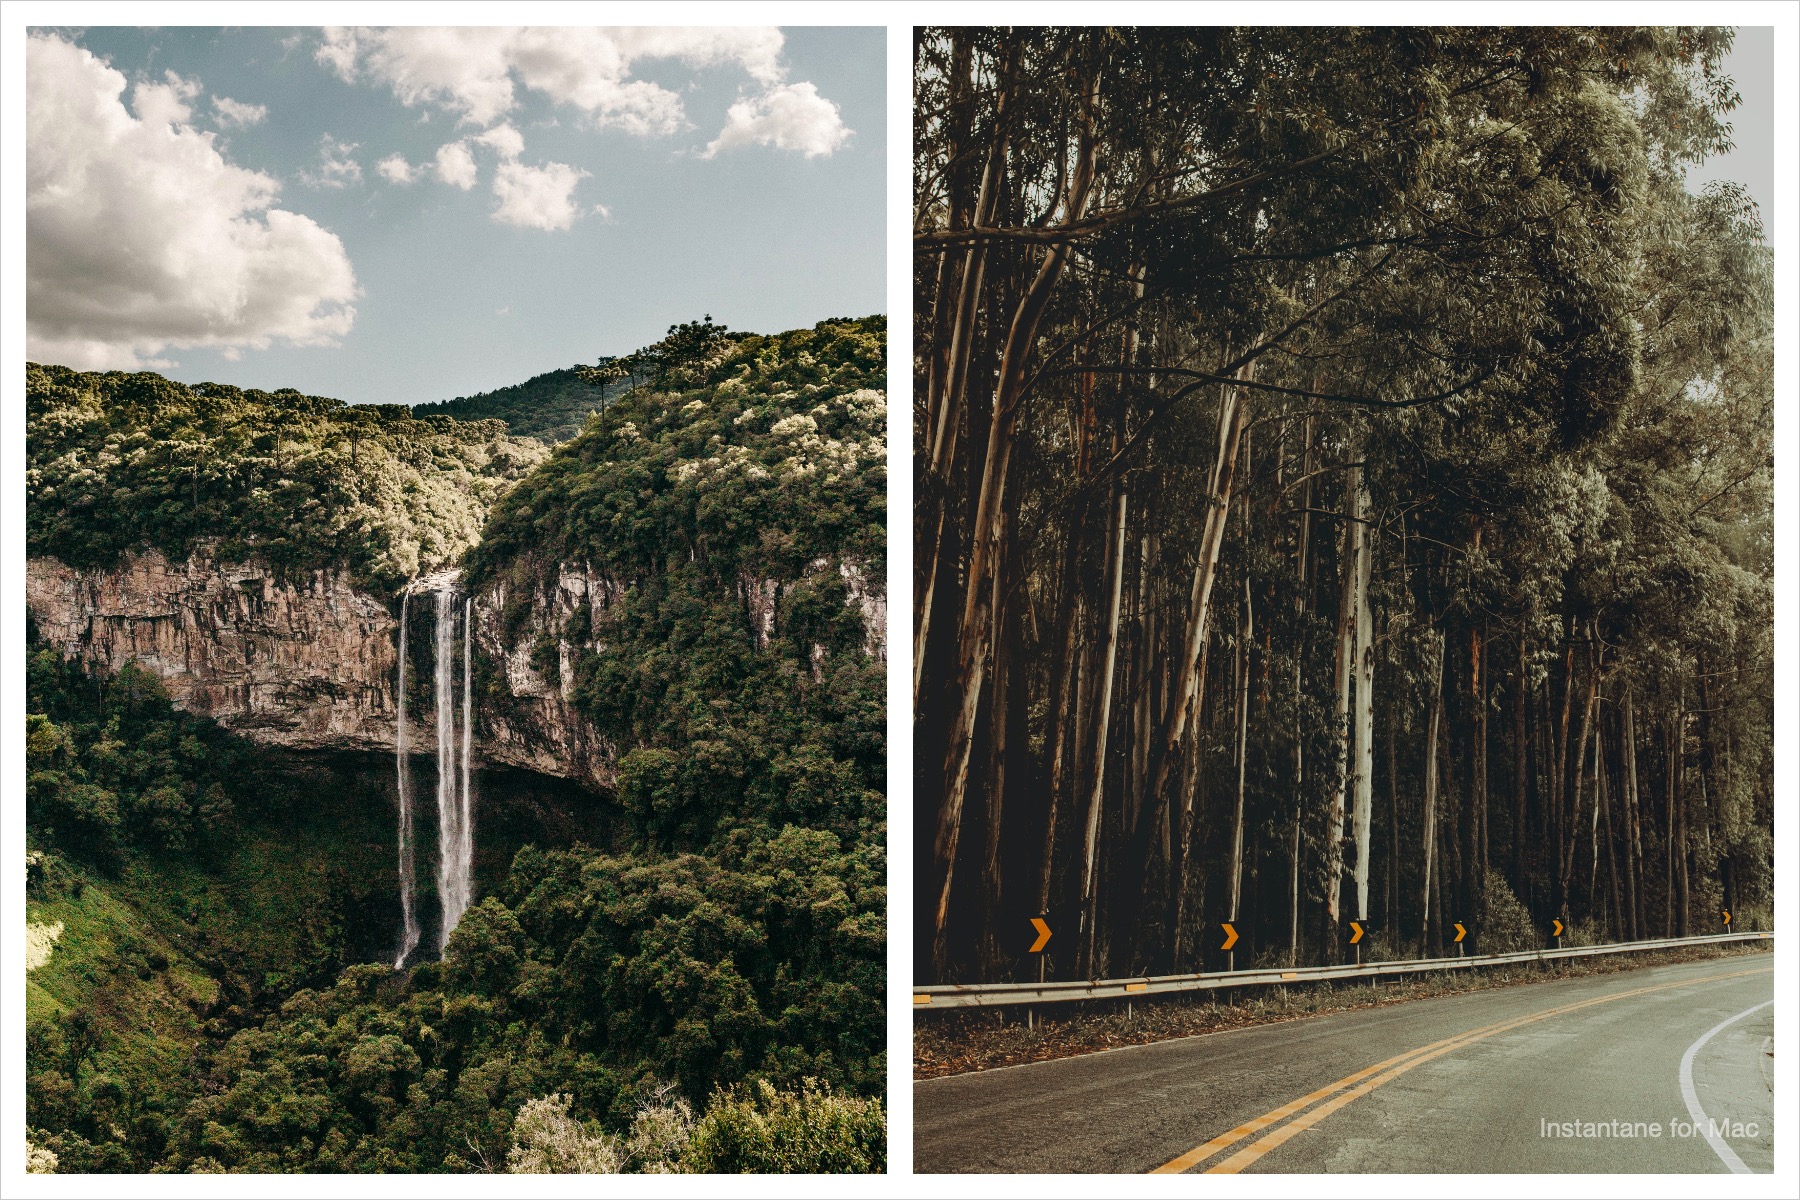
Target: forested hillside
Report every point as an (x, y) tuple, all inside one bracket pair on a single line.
[(695, 983), (120, 461), (762, 466), (551, 407), (1344, 486)]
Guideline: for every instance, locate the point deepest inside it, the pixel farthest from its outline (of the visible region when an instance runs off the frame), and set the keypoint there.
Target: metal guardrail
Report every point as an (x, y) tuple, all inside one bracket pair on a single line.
[(997, 995)]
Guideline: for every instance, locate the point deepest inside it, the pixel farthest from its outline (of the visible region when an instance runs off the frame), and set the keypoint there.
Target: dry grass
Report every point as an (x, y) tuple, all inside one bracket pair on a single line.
[(960, 1041)]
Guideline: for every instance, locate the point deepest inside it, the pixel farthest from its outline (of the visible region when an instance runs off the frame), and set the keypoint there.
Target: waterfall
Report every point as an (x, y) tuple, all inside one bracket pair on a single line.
[(467, 823), (453, 840), (455, 785), (409, 919)]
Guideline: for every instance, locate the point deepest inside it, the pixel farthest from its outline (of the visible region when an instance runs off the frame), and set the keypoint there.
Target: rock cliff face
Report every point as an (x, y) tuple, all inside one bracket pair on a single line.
[(536, 726), (308, 662)]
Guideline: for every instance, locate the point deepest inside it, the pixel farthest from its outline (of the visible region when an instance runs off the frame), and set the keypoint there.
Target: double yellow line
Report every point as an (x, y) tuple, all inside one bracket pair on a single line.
[(1314, 1107)]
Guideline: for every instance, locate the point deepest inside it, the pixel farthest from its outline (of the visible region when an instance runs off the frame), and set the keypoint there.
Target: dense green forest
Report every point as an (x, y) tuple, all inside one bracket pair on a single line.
[(554, 407), (119, 461), (551, 407), (1344, 491), (765, 457), (701, 989)]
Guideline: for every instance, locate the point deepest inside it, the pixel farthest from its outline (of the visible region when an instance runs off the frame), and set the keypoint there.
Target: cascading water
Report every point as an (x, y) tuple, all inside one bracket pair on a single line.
[(409, 918), (455, 790), (467, 824), (454, 847)]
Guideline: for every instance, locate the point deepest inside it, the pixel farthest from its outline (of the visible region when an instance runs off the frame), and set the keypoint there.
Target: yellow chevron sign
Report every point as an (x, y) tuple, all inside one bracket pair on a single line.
[(1461, 933), (1231, 935), (1556, 927), (1043, 935), (1727, 915), (1356, 933)]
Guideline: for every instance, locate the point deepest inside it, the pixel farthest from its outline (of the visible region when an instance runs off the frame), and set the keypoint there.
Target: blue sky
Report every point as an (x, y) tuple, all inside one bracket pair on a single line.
[(736, 173)]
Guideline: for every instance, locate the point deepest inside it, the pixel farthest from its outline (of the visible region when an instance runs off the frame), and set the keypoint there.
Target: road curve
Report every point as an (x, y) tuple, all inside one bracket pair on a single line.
[(1574, 1075)]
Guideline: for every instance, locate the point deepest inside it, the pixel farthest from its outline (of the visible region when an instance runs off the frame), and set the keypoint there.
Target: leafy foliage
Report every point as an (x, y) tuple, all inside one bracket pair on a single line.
[(763, 1130), (547, 1141), (551, 407), (122, 461), (763, 484), (731, 945), (196, 882), (760, 1129), (1194, 304), (598, 975), (122, 768)]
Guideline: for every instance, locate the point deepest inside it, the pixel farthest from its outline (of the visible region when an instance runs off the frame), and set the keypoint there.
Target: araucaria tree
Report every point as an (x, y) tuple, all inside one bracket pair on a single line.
[(1343, 475)]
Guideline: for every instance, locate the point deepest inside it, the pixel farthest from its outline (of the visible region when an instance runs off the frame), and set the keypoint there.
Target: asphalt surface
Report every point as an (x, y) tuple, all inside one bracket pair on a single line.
[(1485, 1081)]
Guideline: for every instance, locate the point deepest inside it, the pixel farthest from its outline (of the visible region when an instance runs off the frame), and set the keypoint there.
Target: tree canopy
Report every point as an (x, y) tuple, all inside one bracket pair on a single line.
[(1343, 468), (118, 462)]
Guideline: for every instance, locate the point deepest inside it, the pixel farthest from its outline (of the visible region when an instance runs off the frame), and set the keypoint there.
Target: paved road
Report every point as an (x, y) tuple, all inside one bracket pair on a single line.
[(1484, 1081)]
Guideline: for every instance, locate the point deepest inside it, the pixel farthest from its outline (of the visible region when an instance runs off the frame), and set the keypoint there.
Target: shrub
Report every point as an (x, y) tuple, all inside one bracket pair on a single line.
[(812, 1130), (1508, 927), (548, 1141), (38, 1160), (659, 1136)]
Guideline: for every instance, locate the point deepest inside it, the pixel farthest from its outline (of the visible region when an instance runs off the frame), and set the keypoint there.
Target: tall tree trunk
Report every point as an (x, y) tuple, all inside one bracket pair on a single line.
[(947, 404), (1065, 684), (1671, 772), (1350, 573), (1521, 767), (1683, 901), (1478, 770), (1186, 694), (1391, 914), (1243, 736), (1147, 657), (1362, 738), (976, 633), (1095, 795), (1572, 829), (1621, 930), (1428, 823), (1599, 795), (999, 721), (1639, 917), (1299, 662), (1559, 773)]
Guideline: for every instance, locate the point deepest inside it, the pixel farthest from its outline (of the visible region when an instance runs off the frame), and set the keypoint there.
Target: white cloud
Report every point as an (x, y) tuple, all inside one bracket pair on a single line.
[(232, 112), (791, 117), (395, 169), (536, 197), (455, 165), (141, 237), (476, 75), (506, 141), (336, 167), (165, 103), (474, 72)]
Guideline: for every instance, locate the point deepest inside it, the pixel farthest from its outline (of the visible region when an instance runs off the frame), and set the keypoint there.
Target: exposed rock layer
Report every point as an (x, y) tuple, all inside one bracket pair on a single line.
[(306, 661)]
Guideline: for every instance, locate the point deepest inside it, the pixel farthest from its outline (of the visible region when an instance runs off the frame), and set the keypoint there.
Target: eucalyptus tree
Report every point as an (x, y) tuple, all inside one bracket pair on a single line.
[(1190, 303)]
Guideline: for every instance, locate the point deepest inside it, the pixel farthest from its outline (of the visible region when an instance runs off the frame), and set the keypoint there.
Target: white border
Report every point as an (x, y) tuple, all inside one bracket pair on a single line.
[(899, 17)]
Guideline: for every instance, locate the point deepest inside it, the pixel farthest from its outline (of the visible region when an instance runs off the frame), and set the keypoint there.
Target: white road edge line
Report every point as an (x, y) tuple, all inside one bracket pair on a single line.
[(1726, 1154)]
